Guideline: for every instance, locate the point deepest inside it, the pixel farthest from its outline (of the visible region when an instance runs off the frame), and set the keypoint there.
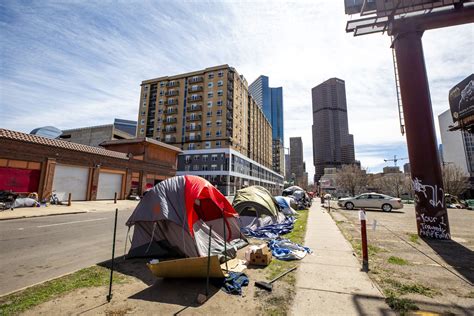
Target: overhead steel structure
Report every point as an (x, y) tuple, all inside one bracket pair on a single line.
[(406, 21)]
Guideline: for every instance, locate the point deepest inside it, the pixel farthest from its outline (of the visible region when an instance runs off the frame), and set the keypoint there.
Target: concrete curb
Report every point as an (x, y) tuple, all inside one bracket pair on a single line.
[(42, 215)]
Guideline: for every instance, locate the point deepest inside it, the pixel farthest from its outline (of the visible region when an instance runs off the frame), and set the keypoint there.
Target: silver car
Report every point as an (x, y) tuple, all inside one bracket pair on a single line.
[(371, 200)]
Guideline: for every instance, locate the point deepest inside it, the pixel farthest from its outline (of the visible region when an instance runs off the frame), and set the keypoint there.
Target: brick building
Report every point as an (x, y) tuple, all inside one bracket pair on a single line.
[(30, 163)]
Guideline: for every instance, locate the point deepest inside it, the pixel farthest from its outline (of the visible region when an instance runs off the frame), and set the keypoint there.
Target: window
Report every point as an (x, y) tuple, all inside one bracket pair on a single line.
[(142, 130), (191, 146), (142, 121), (220, 93), (187, 159), (220, 83), (218, 143), (204, 157), (218, 133), (220, 73), (160, 102), (196, 157), (196, 167), (219, 123), (187, 168), (208, 145), (210, 75), (219, 113), (209, 103), (210, 84), (161, 92), (214, 158), (210, 94), (146, 88), (204, 167), (213, 167), (219, 102), (162, 84), (208, 123), (208, 134), (209, 113)]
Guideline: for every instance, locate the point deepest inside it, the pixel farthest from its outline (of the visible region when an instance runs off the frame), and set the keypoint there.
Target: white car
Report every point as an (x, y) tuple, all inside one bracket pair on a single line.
[(371, 200)]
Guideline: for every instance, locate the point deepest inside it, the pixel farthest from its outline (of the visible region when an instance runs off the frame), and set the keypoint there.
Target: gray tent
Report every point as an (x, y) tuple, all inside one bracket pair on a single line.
[(174, 219)]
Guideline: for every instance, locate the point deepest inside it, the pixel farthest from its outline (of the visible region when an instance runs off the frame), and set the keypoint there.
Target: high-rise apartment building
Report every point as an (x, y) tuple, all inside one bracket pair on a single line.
[(271, 102), (333, 146), (210, 115), (457, 148), (297, 165)]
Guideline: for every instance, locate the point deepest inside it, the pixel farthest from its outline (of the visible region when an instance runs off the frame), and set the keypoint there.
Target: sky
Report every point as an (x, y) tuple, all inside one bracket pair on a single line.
[(80, 63)]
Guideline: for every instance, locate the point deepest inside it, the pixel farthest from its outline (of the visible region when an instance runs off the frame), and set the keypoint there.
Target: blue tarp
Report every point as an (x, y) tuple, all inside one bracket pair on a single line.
[(270, 231), (285, 249)]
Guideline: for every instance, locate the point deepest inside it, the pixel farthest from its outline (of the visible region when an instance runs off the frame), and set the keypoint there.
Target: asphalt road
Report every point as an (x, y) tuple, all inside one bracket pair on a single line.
[(34, 250)]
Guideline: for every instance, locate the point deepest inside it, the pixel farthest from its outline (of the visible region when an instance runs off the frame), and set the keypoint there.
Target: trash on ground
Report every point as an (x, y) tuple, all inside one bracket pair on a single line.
[(284, 249), (270, 231), (187, 268), (25, 202), (234, 265), (258, 255), (234, 282)]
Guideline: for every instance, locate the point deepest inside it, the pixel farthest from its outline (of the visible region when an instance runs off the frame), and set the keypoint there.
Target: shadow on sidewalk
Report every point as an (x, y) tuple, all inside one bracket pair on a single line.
[(456, 255)]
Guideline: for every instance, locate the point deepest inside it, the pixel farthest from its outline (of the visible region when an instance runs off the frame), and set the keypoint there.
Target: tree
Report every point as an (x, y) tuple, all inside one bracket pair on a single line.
[(455, 181), (393, 184), (352, 179)]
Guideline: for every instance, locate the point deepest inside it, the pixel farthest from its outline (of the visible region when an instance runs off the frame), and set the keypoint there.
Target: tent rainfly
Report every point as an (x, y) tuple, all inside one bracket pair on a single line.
[(174, 218), (257, 207)]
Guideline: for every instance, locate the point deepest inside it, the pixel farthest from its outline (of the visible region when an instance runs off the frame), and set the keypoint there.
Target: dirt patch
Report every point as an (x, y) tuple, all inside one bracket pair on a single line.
[(415, 273)]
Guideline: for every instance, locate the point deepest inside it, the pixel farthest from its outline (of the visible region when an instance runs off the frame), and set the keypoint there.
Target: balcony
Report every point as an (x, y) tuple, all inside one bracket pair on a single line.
[(230, 105), (194, 108), (230, 85), (195, 138), (195, 98), (170, 121), (193, 128), (196, 79), (172, 93), (170, 140), (171, 102), (230, 96), (170, 130), (171, 111), (229, 116), (196, 89), (193, 118), (172, 84)]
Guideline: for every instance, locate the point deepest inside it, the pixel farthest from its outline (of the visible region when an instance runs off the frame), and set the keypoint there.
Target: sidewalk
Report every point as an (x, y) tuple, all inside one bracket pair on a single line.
[(329, 282), (75, 208)]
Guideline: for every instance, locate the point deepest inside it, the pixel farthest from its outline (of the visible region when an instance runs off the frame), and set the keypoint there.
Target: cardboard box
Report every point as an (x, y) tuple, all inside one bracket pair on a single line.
[(261, 256)]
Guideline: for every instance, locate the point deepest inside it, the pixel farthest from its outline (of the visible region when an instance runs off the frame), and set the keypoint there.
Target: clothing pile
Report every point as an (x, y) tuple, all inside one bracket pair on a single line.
[(285, 249)]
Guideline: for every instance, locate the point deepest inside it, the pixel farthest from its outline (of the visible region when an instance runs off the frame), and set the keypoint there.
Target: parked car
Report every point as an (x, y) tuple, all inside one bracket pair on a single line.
[(371, 200)]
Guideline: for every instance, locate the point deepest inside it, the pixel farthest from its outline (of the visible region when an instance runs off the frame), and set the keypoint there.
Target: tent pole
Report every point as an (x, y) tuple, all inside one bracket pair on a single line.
[(208, 261), (225, 244), (109, 297)]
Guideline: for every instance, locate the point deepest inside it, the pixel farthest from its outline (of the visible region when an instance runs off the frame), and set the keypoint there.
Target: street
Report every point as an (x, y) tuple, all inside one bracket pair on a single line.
[(37, 249)]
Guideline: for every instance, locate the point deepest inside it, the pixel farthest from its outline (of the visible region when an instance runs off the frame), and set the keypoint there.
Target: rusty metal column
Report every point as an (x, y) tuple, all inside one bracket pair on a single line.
[(431, 214)]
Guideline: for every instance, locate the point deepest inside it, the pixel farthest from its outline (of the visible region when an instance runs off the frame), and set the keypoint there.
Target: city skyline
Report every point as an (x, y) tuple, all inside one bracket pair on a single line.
[(70, 78)]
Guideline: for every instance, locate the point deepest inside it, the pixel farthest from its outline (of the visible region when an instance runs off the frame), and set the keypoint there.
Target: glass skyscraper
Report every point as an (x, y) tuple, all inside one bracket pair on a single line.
[(271, 102)]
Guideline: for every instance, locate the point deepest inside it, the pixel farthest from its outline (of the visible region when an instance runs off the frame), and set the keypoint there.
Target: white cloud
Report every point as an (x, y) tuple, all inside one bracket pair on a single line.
[(73, 64)]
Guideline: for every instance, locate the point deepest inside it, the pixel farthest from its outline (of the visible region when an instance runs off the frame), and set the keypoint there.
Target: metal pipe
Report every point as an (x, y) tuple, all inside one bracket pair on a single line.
[(431, 214), (109, 297)]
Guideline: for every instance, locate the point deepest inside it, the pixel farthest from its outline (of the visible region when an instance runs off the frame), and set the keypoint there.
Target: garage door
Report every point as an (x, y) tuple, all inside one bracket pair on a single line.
[(19, 180), (109, 183), (71, 179)]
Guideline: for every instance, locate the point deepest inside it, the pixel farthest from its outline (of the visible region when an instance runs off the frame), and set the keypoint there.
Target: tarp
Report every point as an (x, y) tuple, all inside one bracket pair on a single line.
[(285, 249), (270, 231), (257, 207), (290, 190), (174, 218), (285, 205)]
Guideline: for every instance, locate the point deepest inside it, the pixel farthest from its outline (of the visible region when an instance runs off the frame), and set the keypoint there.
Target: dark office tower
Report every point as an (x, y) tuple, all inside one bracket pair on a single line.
[(297, 166), (333, 146)]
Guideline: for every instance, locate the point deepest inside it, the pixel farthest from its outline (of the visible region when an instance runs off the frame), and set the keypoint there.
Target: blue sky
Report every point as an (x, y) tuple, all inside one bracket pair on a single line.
[(79, 63)]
